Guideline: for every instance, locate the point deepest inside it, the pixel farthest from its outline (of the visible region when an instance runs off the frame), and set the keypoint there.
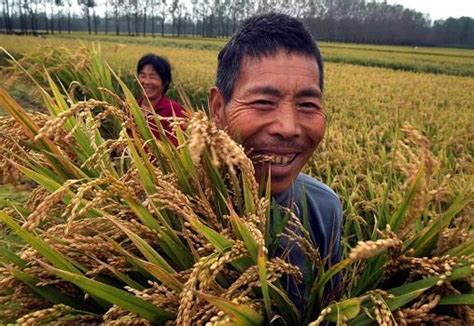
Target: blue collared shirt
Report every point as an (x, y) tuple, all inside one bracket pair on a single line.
[(324, 217)]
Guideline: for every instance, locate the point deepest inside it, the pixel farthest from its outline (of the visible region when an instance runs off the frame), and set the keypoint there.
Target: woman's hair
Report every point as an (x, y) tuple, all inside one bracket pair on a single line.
[(161, 66)]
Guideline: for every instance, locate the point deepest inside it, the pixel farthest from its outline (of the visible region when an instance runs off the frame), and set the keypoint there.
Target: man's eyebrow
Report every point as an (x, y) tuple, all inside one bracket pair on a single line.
[(264, 90), (309, 92)]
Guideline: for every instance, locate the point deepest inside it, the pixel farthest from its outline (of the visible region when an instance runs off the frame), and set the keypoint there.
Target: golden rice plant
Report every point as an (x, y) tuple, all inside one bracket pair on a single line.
[(134, 230)]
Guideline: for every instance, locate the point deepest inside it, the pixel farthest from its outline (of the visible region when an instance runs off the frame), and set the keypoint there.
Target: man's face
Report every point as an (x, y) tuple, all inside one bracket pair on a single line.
[(275, 111), (151, 82)]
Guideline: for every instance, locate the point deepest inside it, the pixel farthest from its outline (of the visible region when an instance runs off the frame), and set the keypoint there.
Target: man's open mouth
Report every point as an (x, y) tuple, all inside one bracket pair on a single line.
[(275, 159), (282, 159)]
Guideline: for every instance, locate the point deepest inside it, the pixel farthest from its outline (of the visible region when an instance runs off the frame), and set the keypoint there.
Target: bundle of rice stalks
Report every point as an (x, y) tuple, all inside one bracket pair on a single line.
[(134, 230)]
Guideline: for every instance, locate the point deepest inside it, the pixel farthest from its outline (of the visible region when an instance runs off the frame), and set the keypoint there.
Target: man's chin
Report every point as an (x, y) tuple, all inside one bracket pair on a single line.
[(280, 186), (279, 183)]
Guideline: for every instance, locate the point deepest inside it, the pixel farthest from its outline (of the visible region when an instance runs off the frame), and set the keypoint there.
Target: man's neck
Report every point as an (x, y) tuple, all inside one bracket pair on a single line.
[(284, 198)]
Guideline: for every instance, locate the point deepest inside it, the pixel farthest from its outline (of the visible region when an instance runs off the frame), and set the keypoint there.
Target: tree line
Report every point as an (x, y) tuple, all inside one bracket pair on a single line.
[(358, 21)]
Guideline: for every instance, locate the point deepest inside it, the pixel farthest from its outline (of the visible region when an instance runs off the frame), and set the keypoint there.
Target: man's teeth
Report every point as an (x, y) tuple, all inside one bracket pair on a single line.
[(282, 159)]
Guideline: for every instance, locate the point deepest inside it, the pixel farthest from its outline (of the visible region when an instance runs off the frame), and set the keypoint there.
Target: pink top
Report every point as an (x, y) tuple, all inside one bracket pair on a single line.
[(166, 108)]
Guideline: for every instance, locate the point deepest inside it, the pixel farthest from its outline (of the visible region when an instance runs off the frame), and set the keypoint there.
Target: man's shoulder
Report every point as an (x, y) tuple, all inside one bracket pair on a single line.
[(324, 212), (305, 184)]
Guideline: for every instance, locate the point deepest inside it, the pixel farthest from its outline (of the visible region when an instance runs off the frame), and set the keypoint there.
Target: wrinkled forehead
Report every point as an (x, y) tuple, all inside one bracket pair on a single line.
[(283, 57), (252, 57)]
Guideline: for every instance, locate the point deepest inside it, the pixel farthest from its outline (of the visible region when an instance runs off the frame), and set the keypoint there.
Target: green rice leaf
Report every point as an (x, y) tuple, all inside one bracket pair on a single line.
[(116, 296), (47, 292), (397, 219), (248, 196), (240, 314), (245, 234), (285, 306), (51, 255), (145, 248), (166, 278), (12, 257), (460, 299), (427, 238), (347, 309), (262, 273)]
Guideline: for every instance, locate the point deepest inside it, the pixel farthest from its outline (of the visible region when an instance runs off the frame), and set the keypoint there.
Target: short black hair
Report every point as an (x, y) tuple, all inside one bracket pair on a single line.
[(264, 35), (161, 66)]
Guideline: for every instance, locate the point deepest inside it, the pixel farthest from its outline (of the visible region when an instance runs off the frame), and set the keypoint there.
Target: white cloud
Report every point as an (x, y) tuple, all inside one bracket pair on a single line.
[(438, 9)]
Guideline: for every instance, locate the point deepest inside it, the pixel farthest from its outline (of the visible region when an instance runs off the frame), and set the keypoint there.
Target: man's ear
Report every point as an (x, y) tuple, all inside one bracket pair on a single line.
[(217, 106)]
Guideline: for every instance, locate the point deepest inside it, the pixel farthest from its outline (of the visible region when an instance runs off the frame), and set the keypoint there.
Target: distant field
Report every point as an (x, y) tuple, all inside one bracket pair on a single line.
[(432, 60), (440, 105)]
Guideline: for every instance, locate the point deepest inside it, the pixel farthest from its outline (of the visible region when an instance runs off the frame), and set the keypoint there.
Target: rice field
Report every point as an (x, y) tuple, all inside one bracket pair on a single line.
[(398, 150)]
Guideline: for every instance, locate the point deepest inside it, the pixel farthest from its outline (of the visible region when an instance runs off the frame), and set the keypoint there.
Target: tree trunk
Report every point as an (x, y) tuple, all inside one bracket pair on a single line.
[(106, 18), (88, 21), (144, 21), (117, 26), (60, 27), (20, 12), (6, 15), (52, 17), (152, 19), (95, 21), (136, 21), (33, 19), (172, 26), (46, 23), (69, 21), (163, 23), (233, 23), (128, 24)]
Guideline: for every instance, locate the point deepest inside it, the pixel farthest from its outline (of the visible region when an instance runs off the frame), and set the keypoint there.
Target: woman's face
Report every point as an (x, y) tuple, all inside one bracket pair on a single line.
[(151, 82)]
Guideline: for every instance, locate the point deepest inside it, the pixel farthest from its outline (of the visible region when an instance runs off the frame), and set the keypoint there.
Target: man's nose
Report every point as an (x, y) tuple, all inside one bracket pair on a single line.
[(286, 122)]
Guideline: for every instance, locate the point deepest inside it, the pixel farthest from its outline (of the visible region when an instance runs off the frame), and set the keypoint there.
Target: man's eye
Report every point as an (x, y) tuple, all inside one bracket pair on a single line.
[(310, 105), (262, 103)]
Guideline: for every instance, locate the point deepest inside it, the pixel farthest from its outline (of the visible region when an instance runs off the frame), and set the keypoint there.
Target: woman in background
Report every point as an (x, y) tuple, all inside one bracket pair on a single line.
[(154, 74)]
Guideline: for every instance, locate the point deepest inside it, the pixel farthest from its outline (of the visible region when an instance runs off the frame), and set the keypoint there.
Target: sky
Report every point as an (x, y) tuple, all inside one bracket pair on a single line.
[(439, 9)]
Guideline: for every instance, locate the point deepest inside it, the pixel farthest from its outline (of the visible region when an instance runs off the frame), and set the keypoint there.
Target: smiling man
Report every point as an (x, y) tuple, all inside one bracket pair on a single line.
[(268, 96)]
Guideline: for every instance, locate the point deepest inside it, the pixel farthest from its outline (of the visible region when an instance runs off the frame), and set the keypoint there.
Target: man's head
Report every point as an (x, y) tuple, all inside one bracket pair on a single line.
[(262, 36), (268, 95)]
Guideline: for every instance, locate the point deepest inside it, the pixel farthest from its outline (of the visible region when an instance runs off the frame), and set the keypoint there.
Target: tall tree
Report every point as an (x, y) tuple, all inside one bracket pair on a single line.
[(152, 17), (117, 4), (135, 10), (86, 6), (59, 4), (21, 14), (46, 21), (33, 11), (163, 11), (51, 21), (7, 18), (69, 6), (106, 18), (172, 10), (145, 8), (94, 16)]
